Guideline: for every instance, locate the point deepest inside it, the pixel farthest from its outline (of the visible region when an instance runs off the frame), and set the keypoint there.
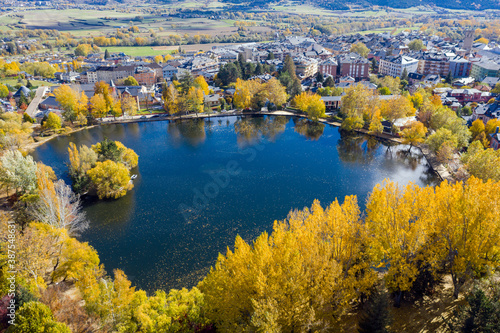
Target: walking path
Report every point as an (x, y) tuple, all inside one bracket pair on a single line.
[(33, 107)]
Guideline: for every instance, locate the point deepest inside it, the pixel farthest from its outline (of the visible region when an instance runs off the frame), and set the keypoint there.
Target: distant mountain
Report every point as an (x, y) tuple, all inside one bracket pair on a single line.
[(345, 4)]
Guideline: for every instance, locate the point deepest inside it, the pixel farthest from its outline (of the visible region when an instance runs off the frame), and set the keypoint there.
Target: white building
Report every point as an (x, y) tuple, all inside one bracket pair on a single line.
[(395, 66)]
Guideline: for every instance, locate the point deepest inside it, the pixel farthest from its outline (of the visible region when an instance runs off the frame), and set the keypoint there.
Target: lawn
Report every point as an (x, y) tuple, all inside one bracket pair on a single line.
[(150, 111), (136, 51), (35, 83)]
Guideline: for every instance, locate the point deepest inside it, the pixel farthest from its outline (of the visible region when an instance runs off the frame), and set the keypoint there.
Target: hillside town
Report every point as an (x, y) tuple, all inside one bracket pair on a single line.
[(465, 74)]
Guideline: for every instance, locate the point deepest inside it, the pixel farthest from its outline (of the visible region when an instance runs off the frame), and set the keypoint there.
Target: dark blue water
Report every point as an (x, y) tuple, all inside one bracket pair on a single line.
[(201, 183)]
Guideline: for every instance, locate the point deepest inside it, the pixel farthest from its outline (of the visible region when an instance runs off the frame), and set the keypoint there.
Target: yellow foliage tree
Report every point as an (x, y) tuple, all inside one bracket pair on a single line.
[(111, 179), (400, 228), (414, 134), (302, 277), (200, 83), (98, 106)]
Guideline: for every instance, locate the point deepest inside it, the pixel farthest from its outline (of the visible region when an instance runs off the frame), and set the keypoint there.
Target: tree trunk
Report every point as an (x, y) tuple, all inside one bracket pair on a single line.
[(397, 300)]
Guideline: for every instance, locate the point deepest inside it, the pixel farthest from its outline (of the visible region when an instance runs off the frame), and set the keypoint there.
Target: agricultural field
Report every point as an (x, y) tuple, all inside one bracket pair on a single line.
[(137, 51)]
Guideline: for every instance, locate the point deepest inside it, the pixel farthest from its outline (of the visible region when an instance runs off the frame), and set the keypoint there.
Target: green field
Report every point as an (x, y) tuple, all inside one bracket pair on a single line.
[(135, 51), (35, 83)]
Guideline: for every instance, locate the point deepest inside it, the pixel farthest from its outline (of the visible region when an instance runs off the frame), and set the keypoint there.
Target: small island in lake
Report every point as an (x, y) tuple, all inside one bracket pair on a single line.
[(103, 169)]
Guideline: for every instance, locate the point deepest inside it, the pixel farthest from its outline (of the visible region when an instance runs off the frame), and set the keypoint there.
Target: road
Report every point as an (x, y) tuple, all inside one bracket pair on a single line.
[(33, 107)]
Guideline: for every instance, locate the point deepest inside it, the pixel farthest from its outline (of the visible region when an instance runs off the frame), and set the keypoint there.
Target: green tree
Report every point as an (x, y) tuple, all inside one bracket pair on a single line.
[(36, 317), (106, 54), (360, 48), (448, 78), (496, 89), (442, 135), (130, 81), (481, 314), (329, 82), (416, 45), (404, 75), (384, 91), (375, 317)]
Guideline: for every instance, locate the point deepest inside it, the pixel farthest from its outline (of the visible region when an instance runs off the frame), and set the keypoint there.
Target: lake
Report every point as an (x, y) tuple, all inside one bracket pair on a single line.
[(202, 182)]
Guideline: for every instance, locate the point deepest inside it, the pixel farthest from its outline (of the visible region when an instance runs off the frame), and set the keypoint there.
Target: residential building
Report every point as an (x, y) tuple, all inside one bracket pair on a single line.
[(430, 63), (484, 68), (395, 66), (305, 67), (145, 76), (212, 101), (91, 76), (109, 73), (353, 65), (459, 66), (328, 67), (486, 112)]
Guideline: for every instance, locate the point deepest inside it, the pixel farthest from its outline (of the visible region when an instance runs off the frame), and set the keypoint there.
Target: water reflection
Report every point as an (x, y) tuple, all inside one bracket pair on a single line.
[(354, 148), (113, 214), (189, 132), (310, 129), (250, 130)]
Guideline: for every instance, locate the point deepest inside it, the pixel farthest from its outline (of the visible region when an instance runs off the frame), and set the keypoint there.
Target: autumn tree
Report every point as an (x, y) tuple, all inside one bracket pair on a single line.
[(311, 104), (396, 108), (129, 105), (200, 83), (72, 102), (53, 121), (360, 48), (276, 92), (37, 317), (491, 126), (170, 99), (245, 92), (130, 81), (396, 242), (110, 179), (482, 163), (477, 128), (14, 132), (192, 101), (468, 221), (98, 106), (303, 276), (413, 134), (359, 105)]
